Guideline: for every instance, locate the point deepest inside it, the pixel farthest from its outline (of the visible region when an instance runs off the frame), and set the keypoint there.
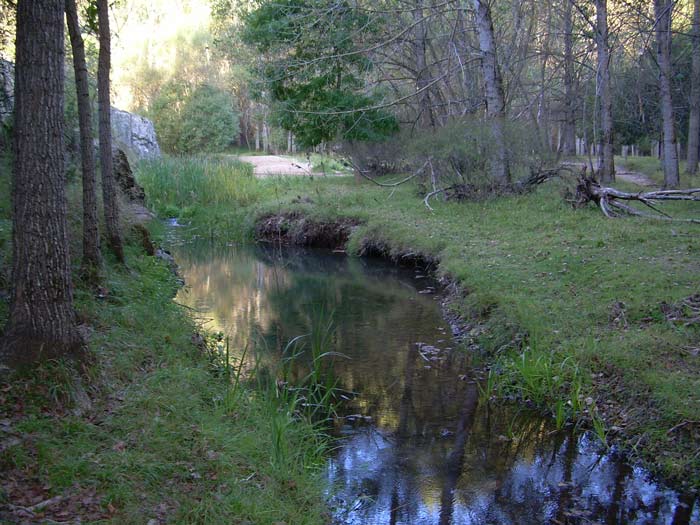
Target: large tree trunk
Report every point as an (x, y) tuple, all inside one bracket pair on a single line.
[(91, 234), (694, 121), (662, 11), (495, 100), (606, 158), (42, 321), (569, 128), (109, 189)]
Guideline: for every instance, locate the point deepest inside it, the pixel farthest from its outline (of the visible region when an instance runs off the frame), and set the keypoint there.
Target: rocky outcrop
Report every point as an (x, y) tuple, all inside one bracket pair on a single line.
[(7, 91), (125, 178), (134, 134)]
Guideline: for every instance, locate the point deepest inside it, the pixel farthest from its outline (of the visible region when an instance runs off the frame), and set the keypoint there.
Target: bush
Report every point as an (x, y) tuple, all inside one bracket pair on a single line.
[(203, 120), (209, 123), (462, 151)]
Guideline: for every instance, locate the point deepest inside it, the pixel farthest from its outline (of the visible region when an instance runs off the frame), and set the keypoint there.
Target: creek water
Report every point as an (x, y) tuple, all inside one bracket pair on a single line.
[(415, 446)]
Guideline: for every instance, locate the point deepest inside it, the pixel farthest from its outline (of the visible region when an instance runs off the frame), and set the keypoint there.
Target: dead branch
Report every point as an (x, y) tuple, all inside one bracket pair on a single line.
[(612, 202), (686, 311), (364, 173), (433, 194)]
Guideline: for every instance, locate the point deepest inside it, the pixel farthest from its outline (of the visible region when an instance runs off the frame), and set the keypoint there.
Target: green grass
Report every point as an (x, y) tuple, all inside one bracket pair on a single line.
[(651, 167), (202, 191), (538, 271), (180, 186), (153, 426), (327, 164), (162, 432)]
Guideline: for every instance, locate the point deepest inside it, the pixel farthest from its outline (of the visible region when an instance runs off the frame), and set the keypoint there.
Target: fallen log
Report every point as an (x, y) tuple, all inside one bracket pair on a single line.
[(613, 202)]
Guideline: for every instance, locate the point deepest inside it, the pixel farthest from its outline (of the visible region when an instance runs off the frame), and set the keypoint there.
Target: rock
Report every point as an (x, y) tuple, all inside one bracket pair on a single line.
[(7, 92), (124, 177), (134, 134)]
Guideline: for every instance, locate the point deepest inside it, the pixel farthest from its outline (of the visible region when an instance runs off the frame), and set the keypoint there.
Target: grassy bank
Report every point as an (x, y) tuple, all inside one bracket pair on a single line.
[(153, 429), (570, 305)]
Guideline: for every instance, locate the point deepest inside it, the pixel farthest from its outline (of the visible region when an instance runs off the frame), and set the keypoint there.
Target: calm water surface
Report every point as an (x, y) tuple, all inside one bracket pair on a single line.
[(417, 448)]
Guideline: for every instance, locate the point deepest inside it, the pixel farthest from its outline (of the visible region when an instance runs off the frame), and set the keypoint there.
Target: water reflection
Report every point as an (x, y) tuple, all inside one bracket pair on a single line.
[(430, 453)]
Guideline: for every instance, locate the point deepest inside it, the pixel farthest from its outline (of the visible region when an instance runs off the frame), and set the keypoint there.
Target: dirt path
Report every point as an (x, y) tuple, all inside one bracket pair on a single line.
[(270, 165), (634, 177), (622, 173)]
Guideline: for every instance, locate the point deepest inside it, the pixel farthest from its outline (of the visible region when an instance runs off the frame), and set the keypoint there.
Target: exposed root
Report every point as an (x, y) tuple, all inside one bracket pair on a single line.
[(294, 228), (612, 202)]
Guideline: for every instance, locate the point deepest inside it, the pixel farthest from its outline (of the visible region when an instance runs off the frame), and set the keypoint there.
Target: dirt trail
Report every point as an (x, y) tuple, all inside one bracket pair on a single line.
[(622, 173), (270, 165), (634, 177)]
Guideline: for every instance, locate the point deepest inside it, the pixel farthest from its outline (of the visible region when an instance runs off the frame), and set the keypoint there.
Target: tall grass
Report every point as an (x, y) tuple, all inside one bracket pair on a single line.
[(538, 376), (180, 186)]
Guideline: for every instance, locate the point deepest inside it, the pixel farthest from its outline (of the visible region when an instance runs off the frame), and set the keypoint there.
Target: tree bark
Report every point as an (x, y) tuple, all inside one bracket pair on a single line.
[(91, 234), (569, 128), (694, 120), (426, 118), (662, 12), (42, 321), (109, 189), (495, 99), (605, 155)]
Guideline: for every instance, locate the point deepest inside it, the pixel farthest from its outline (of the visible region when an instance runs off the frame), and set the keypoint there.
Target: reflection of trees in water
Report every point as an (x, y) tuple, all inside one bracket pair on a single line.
[(436, 456)]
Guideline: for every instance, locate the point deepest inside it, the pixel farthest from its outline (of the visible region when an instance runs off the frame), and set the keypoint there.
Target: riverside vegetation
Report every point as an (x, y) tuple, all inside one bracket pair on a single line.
[(571, 309), (152, 426)]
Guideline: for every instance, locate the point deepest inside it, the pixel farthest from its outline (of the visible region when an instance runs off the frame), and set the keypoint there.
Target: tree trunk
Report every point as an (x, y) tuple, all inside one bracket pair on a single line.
[(662, 11), (495, 100), (425, 110), (606, 158), (42, 321), (91, 233), (569, 131), (694, 121), (109, 189)]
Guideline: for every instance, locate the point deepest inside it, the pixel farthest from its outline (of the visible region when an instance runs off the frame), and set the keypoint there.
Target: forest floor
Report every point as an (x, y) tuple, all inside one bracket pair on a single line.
[(589, 319)]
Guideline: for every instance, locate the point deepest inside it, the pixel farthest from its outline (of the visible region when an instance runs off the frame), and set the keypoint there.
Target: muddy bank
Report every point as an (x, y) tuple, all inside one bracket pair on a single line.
[(294, 228)]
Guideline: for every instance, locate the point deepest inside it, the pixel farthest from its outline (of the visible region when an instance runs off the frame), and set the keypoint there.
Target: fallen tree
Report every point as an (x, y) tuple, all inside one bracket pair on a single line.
[(615, 203)]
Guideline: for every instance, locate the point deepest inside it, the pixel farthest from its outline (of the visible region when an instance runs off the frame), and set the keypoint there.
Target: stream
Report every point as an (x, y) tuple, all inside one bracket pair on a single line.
[(415, 446)]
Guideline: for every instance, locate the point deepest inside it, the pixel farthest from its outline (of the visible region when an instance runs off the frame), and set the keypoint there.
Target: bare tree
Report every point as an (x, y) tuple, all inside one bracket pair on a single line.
[(91, 234), (569, 129), (42, 321), (109, 189), (493, 86), (607, 161), (694, 119), (662, 12)]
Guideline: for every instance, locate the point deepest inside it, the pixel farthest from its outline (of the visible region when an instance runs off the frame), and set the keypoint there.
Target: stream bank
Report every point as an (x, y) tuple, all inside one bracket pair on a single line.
[(487, 331), (415, 442), (589, 293)]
